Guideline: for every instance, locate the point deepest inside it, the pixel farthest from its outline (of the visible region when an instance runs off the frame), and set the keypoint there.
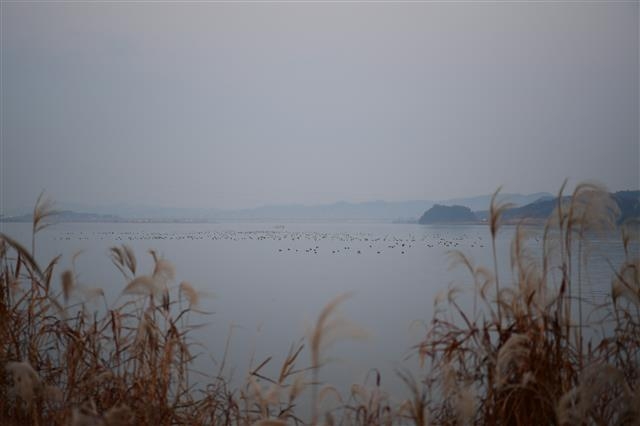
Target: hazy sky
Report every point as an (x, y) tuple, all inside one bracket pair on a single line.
[(237, 105)]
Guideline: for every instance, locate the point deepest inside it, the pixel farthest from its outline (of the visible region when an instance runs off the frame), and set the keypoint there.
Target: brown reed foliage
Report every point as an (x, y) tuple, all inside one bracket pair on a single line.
[(521, 356), (64, 364)]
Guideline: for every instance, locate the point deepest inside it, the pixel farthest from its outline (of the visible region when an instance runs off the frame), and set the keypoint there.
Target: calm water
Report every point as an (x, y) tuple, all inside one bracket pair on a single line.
[(269, 281)]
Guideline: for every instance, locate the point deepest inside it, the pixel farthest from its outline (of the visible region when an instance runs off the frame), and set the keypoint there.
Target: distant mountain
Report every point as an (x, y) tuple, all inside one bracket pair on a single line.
[(126, 211), (405, 211), (539, 209), (482, 202), (68, 216), (372, 210), (628, 202), (399, 211), (447, 214)]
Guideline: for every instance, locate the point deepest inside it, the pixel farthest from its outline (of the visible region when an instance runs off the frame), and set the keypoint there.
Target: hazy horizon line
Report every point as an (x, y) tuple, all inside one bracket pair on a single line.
[(78, 206)]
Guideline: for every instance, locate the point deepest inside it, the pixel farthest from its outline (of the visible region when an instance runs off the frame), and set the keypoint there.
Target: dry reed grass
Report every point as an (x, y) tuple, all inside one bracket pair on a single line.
[(523, 352)]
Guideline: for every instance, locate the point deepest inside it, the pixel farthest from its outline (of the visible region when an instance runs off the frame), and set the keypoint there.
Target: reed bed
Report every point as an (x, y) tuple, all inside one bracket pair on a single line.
[(529, 351), (527, 354)]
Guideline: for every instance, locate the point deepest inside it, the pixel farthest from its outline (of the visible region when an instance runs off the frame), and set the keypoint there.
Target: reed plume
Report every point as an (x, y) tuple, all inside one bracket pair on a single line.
[(42, 212)]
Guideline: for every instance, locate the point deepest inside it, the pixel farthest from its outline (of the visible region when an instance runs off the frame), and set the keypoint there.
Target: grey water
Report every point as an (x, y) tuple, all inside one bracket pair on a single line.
[(267, 282)]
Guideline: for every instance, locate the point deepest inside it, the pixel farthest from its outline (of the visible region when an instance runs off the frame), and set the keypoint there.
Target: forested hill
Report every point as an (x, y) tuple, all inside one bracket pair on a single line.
[(447, 214), (628, 203)]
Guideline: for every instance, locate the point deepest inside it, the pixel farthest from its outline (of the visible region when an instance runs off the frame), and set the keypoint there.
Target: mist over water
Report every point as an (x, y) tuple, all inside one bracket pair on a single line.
[(267, 283)]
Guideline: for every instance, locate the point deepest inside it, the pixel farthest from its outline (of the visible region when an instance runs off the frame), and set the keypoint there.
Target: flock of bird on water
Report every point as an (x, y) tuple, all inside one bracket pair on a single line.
[(341, 242)]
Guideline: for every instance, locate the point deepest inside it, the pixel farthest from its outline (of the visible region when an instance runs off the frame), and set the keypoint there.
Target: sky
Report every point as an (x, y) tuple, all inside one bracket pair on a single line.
[(234, 105)]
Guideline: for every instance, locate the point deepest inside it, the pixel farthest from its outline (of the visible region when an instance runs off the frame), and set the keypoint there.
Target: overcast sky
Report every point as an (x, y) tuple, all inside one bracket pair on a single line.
[(237, 105)]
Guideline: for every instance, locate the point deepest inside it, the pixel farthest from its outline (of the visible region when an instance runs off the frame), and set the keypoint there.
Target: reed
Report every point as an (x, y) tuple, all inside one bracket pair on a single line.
[(524, 354)]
